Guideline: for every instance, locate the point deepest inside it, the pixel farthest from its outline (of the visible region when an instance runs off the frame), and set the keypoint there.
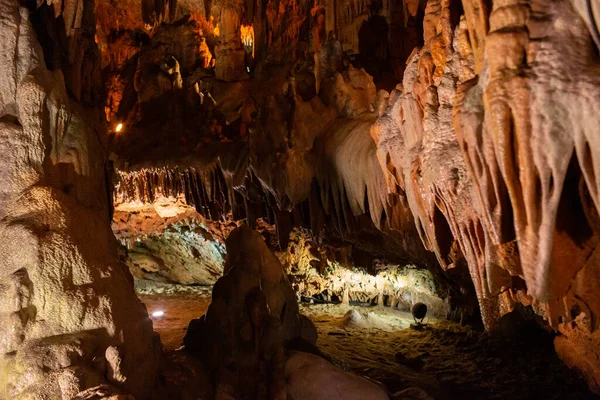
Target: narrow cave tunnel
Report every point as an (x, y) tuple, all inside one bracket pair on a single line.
[(292, 199)]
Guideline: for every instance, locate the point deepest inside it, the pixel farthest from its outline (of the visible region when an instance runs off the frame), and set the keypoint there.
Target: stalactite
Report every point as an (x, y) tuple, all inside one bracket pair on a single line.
[(155, 12)]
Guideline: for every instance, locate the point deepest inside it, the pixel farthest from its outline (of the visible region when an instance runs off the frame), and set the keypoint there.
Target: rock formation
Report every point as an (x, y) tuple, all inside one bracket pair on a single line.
[(481, 162), (319, 269), (185, 254), (246, 335), (69, 319), (506, 188), (155, 12), (311, 377), (229, 53), (494, 152), (252, 317)]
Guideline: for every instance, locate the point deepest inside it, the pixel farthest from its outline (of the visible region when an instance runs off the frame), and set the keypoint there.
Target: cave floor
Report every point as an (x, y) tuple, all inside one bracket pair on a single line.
[(446, 359)]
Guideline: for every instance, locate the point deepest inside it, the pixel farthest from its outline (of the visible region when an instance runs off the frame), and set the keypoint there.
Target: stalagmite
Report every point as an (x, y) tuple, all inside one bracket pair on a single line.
[(252, 303)]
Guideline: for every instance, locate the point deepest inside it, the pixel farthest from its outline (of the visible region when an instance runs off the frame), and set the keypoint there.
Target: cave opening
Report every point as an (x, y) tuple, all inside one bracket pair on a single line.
[(243, 200)]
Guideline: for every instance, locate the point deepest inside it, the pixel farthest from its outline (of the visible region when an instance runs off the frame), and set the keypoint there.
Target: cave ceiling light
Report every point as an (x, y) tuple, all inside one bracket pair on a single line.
[(247, 37)]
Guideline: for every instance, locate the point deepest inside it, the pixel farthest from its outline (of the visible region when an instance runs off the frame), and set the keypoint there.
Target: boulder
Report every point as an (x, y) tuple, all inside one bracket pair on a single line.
[(311, 377)]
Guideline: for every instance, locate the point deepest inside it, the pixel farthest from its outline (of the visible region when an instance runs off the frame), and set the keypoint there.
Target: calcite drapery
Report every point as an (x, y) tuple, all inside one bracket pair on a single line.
[(503, 162), (541, 101)]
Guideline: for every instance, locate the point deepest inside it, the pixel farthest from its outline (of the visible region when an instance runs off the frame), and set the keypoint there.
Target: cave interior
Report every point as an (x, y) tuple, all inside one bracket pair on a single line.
[(299, 199)]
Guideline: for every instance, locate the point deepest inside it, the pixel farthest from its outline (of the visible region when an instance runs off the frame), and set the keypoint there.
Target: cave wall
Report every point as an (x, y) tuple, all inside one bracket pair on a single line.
[(485, 154), (317, 268), (492, 143), (69, 319), (170, 242)]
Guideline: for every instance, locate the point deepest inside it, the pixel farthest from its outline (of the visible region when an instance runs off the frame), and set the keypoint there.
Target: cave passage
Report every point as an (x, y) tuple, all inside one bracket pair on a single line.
[(447, 360), (360, 305), (299, 199)]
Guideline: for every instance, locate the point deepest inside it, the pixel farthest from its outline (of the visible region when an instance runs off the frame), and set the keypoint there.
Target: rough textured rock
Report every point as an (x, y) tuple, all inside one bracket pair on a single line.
[(183, 253), (350, 93), (253, 315), (229, 53), (169, 241), (155, 12), (64, 296), (492, 162), (328, 60), (426, 161), (548, 191), (321, 269)]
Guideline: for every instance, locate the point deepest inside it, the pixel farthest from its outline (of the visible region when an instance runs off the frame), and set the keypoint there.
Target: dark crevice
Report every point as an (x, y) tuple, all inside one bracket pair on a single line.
[(571, 216), (443, 234)]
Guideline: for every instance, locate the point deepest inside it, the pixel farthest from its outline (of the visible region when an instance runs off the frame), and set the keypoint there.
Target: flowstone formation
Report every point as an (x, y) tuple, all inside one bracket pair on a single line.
[(480, 164), (70, 322), (495, 155)]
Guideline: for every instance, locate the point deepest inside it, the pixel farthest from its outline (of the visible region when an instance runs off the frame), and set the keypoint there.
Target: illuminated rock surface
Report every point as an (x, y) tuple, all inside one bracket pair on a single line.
[(69, 318), (170, 242), (460, 137)]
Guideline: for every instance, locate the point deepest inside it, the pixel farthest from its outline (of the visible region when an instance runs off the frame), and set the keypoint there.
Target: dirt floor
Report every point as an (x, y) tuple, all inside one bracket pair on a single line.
[(178, 311), (447, 360)]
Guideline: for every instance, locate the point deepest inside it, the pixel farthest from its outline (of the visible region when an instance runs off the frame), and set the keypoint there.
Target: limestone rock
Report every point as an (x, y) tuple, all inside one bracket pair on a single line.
[(114, 361), (328, 60), (185, 253), (156, 12), (229, 53), (239, 330), (351, 92), (316, 269), (65, 297), (491, 162), (485, 155)]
